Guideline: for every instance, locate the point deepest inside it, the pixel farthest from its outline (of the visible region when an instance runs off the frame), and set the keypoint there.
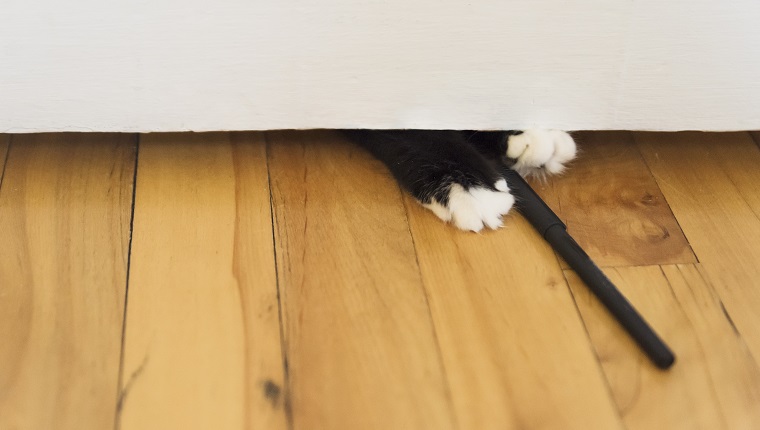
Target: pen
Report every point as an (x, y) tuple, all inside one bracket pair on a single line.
[(554, 231)]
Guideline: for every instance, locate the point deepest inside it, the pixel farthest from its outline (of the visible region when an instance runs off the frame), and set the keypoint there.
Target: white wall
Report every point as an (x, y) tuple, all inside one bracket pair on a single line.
[(156, 65)]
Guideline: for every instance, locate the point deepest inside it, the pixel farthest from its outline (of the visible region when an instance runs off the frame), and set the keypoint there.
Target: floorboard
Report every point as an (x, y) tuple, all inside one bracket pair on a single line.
[(741, 163), (513, 345), (714, 384), (361, 349), (202, 343), (613, 207), (713, 202), (65, 206)]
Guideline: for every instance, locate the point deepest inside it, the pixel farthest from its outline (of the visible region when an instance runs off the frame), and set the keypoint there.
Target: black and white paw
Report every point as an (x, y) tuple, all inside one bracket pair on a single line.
[(540, 152), (475, 207)]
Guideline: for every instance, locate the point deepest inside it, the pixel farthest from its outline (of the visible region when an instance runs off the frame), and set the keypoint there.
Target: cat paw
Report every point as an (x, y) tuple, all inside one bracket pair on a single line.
[(472, 209), (538, 152)]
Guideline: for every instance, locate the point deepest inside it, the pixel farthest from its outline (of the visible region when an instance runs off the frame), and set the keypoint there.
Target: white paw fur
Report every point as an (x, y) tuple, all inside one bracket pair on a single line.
[(541, 151), (476, 207)]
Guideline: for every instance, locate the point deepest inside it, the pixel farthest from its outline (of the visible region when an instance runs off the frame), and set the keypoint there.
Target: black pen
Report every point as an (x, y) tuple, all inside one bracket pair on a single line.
[(554, 231)]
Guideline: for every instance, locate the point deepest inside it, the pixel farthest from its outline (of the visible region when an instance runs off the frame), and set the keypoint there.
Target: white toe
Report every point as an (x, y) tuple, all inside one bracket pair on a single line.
[(476, 207), (539, 151)]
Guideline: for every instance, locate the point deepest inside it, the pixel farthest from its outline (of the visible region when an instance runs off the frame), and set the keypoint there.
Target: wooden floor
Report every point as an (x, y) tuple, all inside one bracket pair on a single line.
[(282, 280)]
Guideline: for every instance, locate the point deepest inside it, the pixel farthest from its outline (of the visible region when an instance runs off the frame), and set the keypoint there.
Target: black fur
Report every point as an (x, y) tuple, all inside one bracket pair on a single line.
[(427, 162)]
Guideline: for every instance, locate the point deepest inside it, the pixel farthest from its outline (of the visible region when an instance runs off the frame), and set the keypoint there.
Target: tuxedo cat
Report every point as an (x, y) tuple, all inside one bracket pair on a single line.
[(454, 173)]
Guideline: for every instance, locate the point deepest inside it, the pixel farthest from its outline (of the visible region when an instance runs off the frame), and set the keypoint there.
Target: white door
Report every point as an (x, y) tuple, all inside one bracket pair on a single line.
[(159, 65)]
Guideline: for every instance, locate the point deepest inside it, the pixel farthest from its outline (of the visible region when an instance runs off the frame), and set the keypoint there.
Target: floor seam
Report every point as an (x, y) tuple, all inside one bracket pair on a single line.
[(119, 393)]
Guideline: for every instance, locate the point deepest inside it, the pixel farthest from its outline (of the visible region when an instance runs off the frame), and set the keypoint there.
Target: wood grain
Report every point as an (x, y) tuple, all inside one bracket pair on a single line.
[(360, 343), (715, 383), (391, 319), (711, 198), (741, 163), (5, 140), (756, 136), (514, 349), (202, 345), (65, 206), (613, 207)]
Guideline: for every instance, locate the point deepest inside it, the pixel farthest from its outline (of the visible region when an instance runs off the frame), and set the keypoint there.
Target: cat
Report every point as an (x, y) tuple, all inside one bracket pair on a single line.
[(455, 173)]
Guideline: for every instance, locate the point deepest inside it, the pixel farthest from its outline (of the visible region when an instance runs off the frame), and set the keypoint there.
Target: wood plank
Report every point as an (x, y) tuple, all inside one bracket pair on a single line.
[(360, 343), (202, 344), (514, 349), (714, 212), (613, 207), (741, 163), (715, 383), (734, 375), (65, 207)]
